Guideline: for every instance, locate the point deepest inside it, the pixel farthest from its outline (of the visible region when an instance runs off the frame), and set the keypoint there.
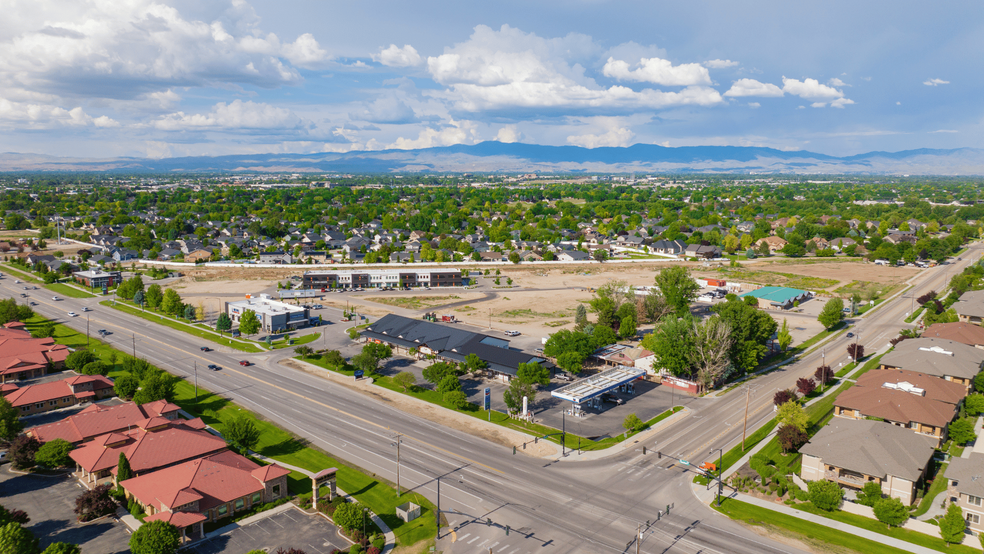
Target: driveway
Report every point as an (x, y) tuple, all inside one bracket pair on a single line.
[(291, 528), (49, 502)]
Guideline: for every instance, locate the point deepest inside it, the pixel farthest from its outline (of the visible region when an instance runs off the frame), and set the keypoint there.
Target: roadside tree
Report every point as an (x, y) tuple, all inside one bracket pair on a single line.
[(832, 313), (155, 537), (783, 337), (513, 396), (154, 296), (952, 525), (790, 438), (824, 375), (678, 288), (10, 423), (172, 304), (456, 399), (791, 413), (783, 396), (405, 379), (855, 351), (805, 386), (825, 495), (249, 324), (242, 433), (224, 322), (78, 359), (891, 511)]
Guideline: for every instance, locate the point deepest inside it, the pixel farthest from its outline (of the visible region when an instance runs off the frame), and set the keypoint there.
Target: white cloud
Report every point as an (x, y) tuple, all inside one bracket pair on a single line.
[(720, 64), (935, 82), (818, 105), (754, 105), (235, 115), (751, 87), (23, 115), (835, 82), (658, 71), (508, 134), (305, 52), (618, 136), (945, 131), (504, 69), (388, 109), (841, 102), (458, 132), (810, 89), (394, 56)]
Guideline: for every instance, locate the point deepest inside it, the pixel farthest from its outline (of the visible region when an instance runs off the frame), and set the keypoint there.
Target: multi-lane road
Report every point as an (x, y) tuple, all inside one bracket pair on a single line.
[(568, 505)]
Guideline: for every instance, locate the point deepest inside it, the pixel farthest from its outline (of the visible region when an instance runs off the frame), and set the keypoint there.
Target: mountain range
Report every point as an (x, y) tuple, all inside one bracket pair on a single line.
[(501, 157)]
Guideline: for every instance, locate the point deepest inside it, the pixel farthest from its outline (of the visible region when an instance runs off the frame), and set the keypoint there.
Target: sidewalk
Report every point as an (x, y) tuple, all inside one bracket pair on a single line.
[(636, 441)]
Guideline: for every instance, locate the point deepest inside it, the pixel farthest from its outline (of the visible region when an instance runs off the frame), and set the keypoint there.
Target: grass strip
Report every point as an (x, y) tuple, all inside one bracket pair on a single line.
[(69, 291), (915, 315), (938, 486), (811, 533), (183, 327), (283, 343), (20, 273)]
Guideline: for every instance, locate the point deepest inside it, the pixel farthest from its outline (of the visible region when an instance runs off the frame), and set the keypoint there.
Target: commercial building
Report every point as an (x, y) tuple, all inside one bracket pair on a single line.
[(449, 343), (54, 395), (25, 357), (778, 297), (377, 278), (97, 279), (97, 420), (274, 316)]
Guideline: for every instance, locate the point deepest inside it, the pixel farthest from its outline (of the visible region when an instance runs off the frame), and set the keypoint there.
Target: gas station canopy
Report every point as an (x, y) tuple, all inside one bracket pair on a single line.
[(586, 389)]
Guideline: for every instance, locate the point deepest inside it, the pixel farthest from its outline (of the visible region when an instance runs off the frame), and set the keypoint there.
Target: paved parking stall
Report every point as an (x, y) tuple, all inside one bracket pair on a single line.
[(290, 528)]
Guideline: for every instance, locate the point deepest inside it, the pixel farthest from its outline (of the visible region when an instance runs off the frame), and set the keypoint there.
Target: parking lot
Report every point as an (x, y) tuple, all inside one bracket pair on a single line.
[(287, 529), (50, 501)]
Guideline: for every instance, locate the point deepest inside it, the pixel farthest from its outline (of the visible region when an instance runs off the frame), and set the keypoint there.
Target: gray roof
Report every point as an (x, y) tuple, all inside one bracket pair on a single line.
[(872, 448), (450, 342), (968, 474), (971, 303), (937, 357)]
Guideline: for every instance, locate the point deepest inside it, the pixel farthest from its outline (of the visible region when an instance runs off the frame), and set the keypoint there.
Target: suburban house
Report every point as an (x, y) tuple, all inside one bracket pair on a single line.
[(941, 358), (206, 489), (25, 357), (449, 344), (854, 452), (276, 257), (775, 243), (668, 247), (44, 397), (153, 443), (966, 333), (97, 420), (899, 403), (782, 298), (572, 256), (198, 255), (96, 279), (933, 388), (966, 488), (970, 307), (704, 252)]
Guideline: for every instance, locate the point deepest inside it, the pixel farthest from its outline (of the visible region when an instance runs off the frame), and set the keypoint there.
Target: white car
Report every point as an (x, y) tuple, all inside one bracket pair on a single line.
[(512, 333), (55, 298), (85, 309), (72, 314)]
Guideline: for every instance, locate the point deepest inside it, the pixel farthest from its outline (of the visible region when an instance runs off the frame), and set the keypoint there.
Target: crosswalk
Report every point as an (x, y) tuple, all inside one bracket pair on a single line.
[(475, 543)]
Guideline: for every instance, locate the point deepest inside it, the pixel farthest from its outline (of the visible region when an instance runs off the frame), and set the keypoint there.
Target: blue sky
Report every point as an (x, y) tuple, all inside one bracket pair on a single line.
[(146, 78)]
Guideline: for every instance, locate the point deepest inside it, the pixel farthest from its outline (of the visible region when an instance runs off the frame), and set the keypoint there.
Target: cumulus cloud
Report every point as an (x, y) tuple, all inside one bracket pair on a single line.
[(122, 50), (754, 105), (658, 71), (25, 115), (394, 56), (457, 132), (388, 109), (235, 115), (935, 82), (498, 70), (835, 82), (720, 64), (751, 87), (615, 136), (810, 89), (508, 134)]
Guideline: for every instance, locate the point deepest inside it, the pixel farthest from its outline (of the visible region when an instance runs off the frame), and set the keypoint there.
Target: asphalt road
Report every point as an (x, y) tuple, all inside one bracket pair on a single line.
[(564, 506)]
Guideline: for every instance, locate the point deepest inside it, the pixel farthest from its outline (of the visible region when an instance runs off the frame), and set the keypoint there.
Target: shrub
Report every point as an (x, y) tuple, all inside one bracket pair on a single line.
[(962, 431), (54, 453), (824, 374), (791, 438), (825, 495), (783, 396), (22, 451), (891, 511), (805, 386), (95, 503), (870, 494)]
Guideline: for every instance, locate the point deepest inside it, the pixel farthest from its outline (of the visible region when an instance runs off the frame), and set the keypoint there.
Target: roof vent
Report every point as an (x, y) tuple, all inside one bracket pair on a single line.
[(905, 386), (936, 349)]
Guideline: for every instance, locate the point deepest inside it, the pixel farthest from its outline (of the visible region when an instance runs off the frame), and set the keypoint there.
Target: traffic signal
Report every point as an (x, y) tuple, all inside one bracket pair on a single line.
[(514, 451), (488, 522), (667, 509), (643, 450), (507, 530), (659, 455)]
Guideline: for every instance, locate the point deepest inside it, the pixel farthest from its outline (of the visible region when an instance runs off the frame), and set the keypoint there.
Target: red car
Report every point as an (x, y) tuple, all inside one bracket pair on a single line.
[(244, 363)]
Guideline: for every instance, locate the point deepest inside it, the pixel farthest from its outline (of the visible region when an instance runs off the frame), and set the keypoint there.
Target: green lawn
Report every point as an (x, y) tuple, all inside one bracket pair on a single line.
[(20, 273), (915, 315), (183, 327), (69, 291), (938, 486), (311, 337), (732, 456), (811, 533), (72, 338)]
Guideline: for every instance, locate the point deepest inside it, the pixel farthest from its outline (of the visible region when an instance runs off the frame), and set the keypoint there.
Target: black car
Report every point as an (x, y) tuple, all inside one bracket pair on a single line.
[(206, 349), (609, 397), (214, 367)]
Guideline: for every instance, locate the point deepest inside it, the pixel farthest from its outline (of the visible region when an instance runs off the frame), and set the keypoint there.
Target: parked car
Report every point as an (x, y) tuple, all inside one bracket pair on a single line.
[(245, 363), (206, 349), (564, 377), (609, 397), (72, 314)]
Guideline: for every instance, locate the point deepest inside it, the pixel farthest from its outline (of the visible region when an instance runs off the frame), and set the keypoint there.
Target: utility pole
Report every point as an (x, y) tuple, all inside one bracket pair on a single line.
[(563, 433), (87, 331), (720, 472), (134, 345), (196, 381), (638, 537), (399, 439), (744, 426)]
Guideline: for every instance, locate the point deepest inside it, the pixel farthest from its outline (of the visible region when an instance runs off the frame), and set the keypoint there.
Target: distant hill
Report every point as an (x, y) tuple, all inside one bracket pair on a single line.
[(526, 158)]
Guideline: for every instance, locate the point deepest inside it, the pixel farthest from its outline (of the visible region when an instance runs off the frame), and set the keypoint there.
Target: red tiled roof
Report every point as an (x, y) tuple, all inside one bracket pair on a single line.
[(84, 394), (177, 519), (214, 480), (98, 420), (964, 332), (53, 390), (270, 472), (152, 422), (7, 387), (20, 352), (147, 450)]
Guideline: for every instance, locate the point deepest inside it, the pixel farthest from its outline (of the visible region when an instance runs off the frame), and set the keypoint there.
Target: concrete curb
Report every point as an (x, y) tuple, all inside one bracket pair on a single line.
[(621, 447)]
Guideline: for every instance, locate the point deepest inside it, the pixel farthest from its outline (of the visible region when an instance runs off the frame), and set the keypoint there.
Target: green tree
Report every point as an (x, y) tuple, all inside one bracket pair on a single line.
[(303, 351), (571, 361), (474, 364), (870, 494), (832, 313), (979, 382), (436, 372), (751, 330), (565, 341), (126, 386), (62, 548), (448, 383), (348, 516), (139, 298), (518, 389), (189, 312), (825, 495), (155, 537), (952, 525), (962, 430), (627, 327), (157, 385), (405, 379), (334, 359), (123, 470), (95, 368), (224, 322), (172, 304), (784, 338), (242, 433), (602, 335), (974, 404), (54, 453), (10, 424), (633, 423), (78, 359), (533, 373), (514, 257), (580, 317), (457, 399), (792, 413), (891, 512), (674, 346), (249, 323), (678, 288), (154, 296), (15, 539)]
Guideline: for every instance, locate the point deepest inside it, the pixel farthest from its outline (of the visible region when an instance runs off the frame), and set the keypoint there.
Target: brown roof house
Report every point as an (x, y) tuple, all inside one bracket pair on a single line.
[(97, 420), (151, 444), (43, 397), (933, 387), (962, 332), (941, 358), (853, 452), (899, 403), (775, 243), (966, 488), (206, 489), (970, 307), (25, 357)]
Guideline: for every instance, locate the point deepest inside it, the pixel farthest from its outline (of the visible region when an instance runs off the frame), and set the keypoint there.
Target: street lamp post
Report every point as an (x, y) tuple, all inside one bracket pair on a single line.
[(87, 330), (196, 381), (720, 472), (857, 335), (364, 510), (399, 439)]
